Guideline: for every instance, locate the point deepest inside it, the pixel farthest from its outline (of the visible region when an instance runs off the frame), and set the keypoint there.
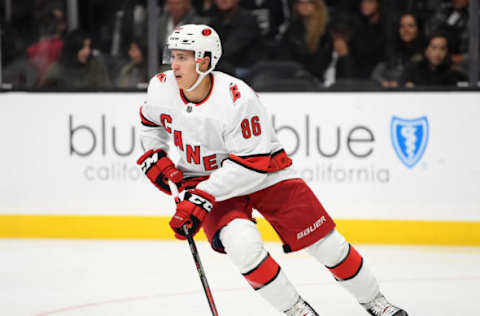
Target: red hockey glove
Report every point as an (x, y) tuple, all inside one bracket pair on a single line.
[(191, 211), (159, 168)]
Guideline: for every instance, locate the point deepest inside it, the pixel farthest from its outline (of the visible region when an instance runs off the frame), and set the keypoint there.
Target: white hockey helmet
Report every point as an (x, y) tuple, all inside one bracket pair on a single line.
[(200, 39)]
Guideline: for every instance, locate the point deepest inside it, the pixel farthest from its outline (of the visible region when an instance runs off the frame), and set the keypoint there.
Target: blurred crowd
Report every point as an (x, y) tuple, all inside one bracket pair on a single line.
[(272, 44)]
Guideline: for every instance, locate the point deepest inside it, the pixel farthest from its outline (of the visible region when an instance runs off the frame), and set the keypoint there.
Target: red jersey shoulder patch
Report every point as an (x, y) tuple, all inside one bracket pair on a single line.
[(234, 91), (162, 77)]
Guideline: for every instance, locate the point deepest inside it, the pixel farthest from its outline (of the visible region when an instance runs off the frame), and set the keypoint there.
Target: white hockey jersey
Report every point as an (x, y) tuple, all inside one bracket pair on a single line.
[(229, 136)]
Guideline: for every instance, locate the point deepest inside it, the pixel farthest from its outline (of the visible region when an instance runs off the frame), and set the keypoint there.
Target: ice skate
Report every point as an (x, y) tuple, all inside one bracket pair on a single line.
[(379, 306), (301, 308)]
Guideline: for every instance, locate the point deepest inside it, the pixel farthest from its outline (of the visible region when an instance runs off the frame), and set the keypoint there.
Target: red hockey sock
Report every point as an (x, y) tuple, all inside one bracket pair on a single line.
[(264, 273), (349, 267)]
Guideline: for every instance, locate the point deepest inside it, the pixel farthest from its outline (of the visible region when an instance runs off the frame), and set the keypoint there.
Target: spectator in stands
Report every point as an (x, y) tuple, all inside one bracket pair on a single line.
[(134, 74), (307, 40), (341, 68), (242, 40), (343, 6), (408, 48), (18, 33), (21, 27), (452, 19), (77, 68), (49, 47), (110, 24), (435, 69), (204, 7), (419, 7), (17, 71), (272, 16), (368, 42), (175, 14)]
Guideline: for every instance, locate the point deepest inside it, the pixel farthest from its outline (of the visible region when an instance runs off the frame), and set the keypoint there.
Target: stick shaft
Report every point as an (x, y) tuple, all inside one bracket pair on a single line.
[(201, 272), (196, 257)]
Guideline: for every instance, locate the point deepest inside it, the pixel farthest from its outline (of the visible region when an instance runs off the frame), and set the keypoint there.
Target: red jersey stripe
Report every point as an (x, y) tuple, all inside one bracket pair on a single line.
[(258, 163), (145, 121)]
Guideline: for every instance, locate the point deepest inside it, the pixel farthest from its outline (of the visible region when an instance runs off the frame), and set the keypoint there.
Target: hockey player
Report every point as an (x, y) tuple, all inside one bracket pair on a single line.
[(231, 161)]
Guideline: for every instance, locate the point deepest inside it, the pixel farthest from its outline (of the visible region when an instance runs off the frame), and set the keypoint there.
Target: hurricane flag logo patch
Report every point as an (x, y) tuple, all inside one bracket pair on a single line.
[(409, 139)]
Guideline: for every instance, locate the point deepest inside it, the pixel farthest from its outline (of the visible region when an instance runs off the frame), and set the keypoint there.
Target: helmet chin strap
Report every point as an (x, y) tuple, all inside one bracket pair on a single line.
[(200, 77)]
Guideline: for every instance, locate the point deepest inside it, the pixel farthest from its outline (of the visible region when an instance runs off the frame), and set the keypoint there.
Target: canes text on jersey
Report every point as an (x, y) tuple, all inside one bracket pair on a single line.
[(192, 152)]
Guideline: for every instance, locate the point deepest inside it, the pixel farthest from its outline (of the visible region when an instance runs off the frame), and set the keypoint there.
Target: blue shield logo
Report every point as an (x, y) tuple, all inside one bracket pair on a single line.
[(409, 139)]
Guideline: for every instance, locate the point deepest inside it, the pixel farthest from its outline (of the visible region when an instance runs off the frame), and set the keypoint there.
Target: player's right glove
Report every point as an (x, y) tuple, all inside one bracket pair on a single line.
[(191, 211), (159, 169)]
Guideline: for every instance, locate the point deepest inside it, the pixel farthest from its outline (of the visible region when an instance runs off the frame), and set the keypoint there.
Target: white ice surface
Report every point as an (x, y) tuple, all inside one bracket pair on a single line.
[(147, 278)]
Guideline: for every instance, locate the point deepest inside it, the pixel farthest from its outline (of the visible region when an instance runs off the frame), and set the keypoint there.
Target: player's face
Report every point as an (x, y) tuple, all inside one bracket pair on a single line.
[(183, 66)]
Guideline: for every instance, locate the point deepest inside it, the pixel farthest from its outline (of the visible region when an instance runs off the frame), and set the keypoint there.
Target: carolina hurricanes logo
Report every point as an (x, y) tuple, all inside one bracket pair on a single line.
[(234, 91), (206, 32), (162, 77)]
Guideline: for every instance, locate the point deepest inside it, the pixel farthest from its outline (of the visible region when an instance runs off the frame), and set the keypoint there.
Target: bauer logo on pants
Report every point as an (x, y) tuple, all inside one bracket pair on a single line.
[(409, 139)]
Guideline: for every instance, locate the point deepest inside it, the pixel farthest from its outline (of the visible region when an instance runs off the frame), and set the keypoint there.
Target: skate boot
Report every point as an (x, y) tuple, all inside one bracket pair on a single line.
[(379, 306), (301, 308)]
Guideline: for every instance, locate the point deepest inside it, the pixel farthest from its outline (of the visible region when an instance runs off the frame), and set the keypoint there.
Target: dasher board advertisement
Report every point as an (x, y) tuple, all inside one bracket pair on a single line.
[(365, 155)]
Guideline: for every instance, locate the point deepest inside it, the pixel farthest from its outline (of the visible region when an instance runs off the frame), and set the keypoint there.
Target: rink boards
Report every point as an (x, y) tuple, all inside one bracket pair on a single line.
[(390, 167)]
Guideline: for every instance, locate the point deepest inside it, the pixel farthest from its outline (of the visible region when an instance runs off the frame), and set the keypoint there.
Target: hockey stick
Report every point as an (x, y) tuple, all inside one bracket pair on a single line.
[(196, 256)]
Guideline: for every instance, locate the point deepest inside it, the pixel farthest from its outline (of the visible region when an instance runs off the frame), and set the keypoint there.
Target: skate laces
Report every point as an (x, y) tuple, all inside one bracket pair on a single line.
[(301, 308), (381, 307)]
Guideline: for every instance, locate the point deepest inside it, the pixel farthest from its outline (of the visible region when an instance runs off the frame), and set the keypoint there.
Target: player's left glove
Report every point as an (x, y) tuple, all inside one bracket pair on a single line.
[(191, 211), (159, 168)]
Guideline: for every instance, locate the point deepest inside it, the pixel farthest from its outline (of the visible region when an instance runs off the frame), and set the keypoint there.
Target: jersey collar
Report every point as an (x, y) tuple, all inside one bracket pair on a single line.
[(186, 101)]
